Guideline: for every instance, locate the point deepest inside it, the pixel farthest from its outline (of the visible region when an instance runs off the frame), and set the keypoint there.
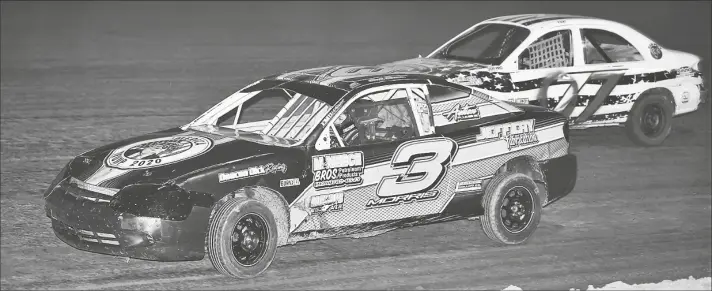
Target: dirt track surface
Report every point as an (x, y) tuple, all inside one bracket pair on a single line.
[(78, 75)]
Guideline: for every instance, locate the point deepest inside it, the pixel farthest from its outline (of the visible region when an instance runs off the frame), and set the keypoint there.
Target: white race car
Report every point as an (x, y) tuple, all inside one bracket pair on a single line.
[(597, 72)]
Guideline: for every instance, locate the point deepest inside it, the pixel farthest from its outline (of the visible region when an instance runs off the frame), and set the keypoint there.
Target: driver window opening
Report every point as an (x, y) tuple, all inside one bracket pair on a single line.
[(552, 50), (383, 116)]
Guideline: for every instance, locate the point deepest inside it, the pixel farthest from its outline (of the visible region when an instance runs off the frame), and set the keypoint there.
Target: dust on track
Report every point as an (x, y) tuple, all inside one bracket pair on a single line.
[(78, 81)]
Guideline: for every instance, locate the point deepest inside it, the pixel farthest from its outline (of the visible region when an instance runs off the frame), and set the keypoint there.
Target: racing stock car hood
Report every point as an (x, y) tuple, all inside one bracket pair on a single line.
[(164, 155)]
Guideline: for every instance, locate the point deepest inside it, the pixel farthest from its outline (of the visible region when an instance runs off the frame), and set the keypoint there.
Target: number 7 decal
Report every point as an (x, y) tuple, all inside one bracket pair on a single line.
[(422, 165), (568, 102)]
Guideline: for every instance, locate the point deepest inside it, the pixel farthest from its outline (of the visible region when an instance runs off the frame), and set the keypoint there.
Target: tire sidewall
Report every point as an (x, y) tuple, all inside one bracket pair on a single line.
[(494, 202), (226, 222), (634, 122)]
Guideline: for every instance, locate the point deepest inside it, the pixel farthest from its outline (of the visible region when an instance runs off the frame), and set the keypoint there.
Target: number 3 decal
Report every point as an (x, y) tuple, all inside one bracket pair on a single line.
[(422, 163)]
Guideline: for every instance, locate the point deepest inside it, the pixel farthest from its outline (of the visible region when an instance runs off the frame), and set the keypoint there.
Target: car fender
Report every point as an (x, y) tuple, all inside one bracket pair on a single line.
[(222, 179), (269, 197), (659, 91), (529, 166)]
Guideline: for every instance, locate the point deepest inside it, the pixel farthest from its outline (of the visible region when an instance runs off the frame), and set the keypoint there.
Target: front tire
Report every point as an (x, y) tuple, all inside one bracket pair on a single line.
[(242, 238), (512, 208), (650, 120)]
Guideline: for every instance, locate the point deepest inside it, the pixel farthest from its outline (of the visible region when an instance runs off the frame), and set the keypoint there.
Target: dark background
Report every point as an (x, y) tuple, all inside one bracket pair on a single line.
[(77, 75), (227, 44)]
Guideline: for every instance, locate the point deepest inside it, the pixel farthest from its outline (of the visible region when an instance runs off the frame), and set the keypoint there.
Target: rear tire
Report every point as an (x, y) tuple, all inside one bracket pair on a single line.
[(650, 120), (242, 238), (512, 208)]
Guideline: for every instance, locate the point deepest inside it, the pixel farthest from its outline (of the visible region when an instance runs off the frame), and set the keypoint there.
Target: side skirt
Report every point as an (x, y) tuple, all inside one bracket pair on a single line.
[(373, 228)]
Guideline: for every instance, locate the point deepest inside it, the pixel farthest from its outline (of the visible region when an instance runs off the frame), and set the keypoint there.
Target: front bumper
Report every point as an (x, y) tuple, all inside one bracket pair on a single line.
[(560, 174), (95, 227)]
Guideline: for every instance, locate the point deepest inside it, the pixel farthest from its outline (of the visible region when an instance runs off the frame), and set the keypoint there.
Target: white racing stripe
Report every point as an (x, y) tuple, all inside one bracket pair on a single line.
[(104, 174)]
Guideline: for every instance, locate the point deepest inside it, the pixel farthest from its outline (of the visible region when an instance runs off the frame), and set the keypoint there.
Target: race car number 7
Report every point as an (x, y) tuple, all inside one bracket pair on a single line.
[(608, 81), (422, 165)]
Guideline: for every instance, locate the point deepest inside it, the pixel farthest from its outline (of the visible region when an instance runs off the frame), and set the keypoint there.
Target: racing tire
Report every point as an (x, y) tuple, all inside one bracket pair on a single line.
[(242, 238), (512, 208), (650, 120)]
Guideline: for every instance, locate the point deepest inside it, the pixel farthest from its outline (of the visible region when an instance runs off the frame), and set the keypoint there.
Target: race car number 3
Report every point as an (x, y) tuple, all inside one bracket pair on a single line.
[(422, 165)]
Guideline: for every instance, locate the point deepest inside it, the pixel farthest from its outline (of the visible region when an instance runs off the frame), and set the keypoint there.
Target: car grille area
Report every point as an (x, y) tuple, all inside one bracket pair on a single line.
[(81, 217), (85, 235), (86, 191)]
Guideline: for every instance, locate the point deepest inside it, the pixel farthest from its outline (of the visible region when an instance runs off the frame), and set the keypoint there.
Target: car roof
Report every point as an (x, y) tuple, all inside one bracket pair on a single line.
[(544, 21), (332, 83)]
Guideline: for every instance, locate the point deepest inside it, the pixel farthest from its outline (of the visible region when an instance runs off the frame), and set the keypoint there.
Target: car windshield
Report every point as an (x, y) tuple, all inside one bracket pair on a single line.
[(274, 112), (486, 43)]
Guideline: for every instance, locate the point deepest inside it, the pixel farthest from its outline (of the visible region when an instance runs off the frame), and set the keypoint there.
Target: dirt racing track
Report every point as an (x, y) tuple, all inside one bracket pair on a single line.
[(79, 75)]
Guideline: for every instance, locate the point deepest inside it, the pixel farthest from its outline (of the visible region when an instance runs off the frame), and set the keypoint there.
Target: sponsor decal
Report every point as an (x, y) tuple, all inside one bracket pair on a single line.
[(521, 139), (462, 112), (402, 199), (289, 182), (337, 170), (655, 51), (158, 152), (466, 186), (685, 97), (327, 203), (270, 168), (518, 133), (86, 161), (494, 68)]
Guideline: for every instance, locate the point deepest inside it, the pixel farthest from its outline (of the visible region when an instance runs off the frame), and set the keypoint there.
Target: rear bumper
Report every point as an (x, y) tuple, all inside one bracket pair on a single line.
[(560, 174), (95, 227)]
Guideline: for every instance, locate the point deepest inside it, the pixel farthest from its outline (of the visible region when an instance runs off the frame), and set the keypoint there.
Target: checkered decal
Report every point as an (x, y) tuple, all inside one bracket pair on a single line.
[(548, 53)]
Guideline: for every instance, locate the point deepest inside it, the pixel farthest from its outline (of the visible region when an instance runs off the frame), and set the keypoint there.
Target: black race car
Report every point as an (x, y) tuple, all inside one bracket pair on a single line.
[(326, 152)]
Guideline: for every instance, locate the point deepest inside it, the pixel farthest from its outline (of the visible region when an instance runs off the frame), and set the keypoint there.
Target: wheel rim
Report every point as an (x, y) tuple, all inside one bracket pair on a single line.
[(250, 238), (517, 209), (652, 121)]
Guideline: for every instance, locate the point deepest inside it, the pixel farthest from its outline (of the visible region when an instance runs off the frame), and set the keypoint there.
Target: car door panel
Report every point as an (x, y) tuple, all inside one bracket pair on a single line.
[(391, 181)]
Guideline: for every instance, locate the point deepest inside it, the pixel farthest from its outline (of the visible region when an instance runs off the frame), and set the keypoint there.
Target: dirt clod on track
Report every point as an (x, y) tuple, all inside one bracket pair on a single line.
[(76, 75)]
